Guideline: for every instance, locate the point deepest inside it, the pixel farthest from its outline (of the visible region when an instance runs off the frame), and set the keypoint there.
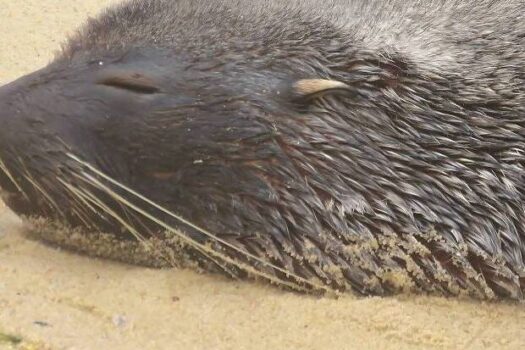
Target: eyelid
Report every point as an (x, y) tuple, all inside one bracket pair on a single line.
[(134, 82)]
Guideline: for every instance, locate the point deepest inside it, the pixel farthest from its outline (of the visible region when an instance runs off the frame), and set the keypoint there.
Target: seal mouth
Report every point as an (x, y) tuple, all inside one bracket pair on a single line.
[(11, 192), (94, 198), (214, 248), (15, 200)]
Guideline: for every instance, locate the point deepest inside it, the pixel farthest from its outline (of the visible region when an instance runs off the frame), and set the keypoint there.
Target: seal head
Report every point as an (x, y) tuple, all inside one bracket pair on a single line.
[(320, 147)]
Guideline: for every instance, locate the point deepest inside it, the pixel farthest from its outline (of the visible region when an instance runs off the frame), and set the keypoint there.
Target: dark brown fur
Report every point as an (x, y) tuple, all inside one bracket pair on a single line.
[(409, 177)]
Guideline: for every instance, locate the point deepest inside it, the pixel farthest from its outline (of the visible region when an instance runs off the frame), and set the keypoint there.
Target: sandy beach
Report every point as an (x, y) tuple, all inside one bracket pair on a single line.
[(54, 299)]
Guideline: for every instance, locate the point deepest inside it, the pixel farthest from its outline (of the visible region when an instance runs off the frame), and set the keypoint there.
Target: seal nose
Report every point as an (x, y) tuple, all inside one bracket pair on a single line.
[(5, 91), (15, 141), (5, 112), (15, 97), (12, 131)]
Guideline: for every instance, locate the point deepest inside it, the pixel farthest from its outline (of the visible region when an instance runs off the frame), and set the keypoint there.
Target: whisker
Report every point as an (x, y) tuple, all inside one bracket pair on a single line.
[(189, 241), (82, 212), (204, 248), (75, 211), (77, 197), (80, 200), (78, 208), (204, 232), (46, 195), (97, 202), (3, 167), (132, 216)]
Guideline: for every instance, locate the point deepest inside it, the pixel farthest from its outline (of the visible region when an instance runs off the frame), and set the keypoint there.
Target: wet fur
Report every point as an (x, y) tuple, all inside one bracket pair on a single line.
[(411, 179)]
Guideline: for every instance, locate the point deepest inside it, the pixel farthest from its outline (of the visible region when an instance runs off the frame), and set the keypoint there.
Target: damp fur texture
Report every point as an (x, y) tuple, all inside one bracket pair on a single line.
[(411, 178)]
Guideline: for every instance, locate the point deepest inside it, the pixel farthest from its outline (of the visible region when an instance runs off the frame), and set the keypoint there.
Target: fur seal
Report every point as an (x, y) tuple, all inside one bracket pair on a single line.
[(371, 146)]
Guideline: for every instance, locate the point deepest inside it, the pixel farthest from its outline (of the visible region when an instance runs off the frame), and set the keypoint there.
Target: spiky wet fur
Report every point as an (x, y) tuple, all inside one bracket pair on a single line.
[(413, 179)]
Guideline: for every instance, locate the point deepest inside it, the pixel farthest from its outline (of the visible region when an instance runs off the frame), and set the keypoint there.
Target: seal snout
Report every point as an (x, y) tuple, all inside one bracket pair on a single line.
[(10, 187), (12, 105), (7, 113), (26, 143)]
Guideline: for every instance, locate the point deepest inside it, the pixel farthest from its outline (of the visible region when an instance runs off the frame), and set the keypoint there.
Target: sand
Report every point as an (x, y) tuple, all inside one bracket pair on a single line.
[(53, 299)]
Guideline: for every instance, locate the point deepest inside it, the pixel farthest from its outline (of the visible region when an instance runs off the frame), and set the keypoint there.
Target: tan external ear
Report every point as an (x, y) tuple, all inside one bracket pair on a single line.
[(310, 87)]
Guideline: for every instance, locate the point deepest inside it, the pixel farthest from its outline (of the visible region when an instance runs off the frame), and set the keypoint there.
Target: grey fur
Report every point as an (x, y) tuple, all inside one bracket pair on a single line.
[(417, 171)]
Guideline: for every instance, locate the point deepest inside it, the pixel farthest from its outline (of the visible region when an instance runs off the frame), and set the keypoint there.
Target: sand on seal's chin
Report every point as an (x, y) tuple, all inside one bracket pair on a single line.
[(157, 253)]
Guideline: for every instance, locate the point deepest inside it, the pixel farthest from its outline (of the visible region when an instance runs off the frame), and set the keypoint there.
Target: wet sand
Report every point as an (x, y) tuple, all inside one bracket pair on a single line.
[(53, 299)]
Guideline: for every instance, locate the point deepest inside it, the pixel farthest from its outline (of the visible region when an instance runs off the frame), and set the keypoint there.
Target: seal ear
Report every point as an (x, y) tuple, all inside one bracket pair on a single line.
[(312, 88)]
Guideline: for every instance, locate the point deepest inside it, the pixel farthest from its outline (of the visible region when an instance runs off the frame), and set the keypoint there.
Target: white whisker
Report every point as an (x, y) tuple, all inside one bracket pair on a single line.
[(200, 247), (3, 167), (77, 197), (45, 195), (201, 230), (89, 196)]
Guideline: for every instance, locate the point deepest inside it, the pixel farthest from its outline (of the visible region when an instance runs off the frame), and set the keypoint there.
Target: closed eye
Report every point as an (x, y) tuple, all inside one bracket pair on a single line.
[(135, 82)]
